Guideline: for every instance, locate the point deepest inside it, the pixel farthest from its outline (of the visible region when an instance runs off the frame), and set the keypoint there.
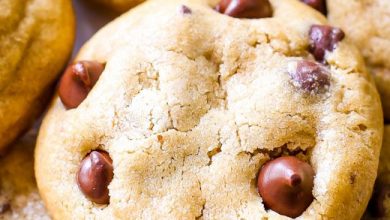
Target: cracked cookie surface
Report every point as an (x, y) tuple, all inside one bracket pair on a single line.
[(191, 103), (367, 25), (19, 198), (35, 42)]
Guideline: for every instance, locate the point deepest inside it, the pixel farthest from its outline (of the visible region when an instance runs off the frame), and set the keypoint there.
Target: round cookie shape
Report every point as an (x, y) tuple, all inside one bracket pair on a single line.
[(366, 24), (192, 103), (19, 197), (36, 41)]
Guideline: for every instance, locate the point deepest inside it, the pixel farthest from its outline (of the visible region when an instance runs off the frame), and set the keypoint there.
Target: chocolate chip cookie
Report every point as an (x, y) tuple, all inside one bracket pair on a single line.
[(379, 206), (367, 24), (212, 110), (35, 42), (118, 5), (19, 198)]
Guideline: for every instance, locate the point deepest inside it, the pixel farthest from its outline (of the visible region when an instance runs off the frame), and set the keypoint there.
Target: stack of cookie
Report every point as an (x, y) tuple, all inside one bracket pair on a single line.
[(36, 38), (198, 109)]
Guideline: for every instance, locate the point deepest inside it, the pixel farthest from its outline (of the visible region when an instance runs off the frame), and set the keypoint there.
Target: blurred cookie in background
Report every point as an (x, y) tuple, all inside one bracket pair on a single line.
[(367, 24), (382, 80), (19, 198), (36, 40), (379, 206)]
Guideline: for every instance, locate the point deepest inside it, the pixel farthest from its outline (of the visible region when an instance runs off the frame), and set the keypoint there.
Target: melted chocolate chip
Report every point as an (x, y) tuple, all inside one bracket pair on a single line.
[(77, 82), (245, 8), (310, 76), (324, 38), (94, 176), (376, 206), (319, 5), (286, 185), (185, 10)]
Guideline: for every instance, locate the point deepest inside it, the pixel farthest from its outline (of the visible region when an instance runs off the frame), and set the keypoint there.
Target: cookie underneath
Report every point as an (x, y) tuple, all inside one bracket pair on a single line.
[(19, 197), (379, 206), (36, 42)]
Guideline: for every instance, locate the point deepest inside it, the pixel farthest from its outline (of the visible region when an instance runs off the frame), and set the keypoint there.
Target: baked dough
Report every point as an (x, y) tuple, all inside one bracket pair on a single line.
[(36, 38), (192, 103), (367, 24), (19, 198)]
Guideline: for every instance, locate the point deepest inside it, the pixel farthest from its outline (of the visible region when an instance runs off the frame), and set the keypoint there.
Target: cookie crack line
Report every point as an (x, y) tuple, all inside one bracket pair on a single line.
[(282, 150)]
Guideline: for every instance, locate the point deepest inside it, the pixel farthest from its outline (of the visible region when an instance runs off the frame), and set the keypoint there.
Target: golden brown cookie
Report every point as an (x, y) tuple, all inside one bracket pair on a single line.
[(189, 110), (36, 39), (367, 24), (19, 198)]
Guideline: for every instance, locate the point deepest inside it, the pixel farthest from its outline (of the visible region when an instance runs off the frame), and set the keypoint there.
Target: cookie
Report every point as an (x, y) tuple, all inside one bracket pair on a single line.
[(366, 24), (19, 198), (189, 110), (379, 206), (118, 5), (36, 41)]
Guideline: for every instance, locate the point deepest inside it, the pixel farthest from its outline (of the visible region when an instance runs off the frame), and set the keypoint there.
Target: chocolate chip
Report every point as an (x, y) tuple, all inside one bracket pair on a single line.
[(310, 76), (185, 10), (319, 5), (286, 185), (376, 205), (77, 82), (245, 8), (324, 38), (94, 176)]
